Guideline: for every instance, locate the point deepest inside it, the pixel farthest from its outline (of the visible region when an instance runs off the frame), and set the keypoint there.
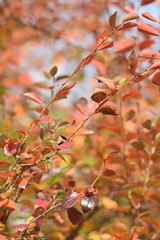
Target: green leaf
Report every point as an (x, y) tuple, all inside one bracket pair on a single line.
[(3, 127), (65, 169), (14, 135), (47, 155), (157, 119), (123, 80), (47, 75)]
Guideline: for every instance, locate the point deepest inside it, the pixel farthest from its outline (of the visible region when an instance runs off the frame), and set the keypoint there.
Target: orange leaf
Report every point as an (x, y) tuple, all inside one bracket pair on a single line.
[(127, 25), (129, 9), (131, 93), (101, 36), (124, 45), (146, 44), (85, 62), (149, 16), (11, 205), (150, 54), (66, 89), (156, 78), (108, 203), (81, 108), (147, 29), (107, 44), (155, 65)]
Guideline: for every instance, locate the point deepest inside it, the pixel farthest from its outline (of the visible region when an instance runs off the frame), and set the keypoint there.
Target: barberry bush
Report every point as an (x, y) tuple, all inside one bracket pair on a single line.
[(80, 120)]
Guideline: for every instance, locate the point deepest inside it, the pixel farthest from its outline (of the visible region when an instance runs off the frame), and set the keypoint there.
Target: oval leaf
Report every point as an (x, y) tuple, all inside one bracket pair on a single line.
[(127, 25), (74, 216), (149, 16), (53, 71), (124, 45), (88, 203), (33, 96), (130, 16), (109, 170), (109, 108), (150, 54), (70, 200), (147, 29), (112, 19)]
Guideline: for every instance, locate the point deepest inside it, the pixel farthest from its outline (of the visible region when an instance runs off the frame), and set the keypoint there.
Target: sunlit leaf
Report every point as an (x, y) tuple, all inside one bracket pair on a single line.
[(33, 96), (88, 203), (129, 17), (70, 200)]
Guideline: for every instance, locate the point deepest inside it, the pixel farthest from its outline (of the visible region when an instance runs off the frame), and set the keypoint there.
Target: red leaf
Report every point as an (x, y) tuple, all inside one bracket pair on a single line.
[(88, 203), (65, 145), (44, 196), (109, 170), (124, 45), (149, 16), (146, 44), (150, 54), (42, 204), (2, 162), (11, 205), (88, 191), (66, 89), (131, 93), (27, 161), (21, 227), (112, 154), (112, 19), (46, 119), (133, 62), (46, 112), (101, 36), (156, 78), (147, 29), (10, 148), (155, 65), (106, 44), (127, 25), (70, 200), (144, 2), (33, 96), (85, 62), (74, 216)]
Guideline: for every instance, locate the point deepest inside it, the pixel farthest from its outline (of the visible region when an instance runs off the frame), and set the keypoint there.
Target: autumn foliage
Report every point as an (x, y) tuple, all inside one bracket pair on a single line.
[(80, 120)]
